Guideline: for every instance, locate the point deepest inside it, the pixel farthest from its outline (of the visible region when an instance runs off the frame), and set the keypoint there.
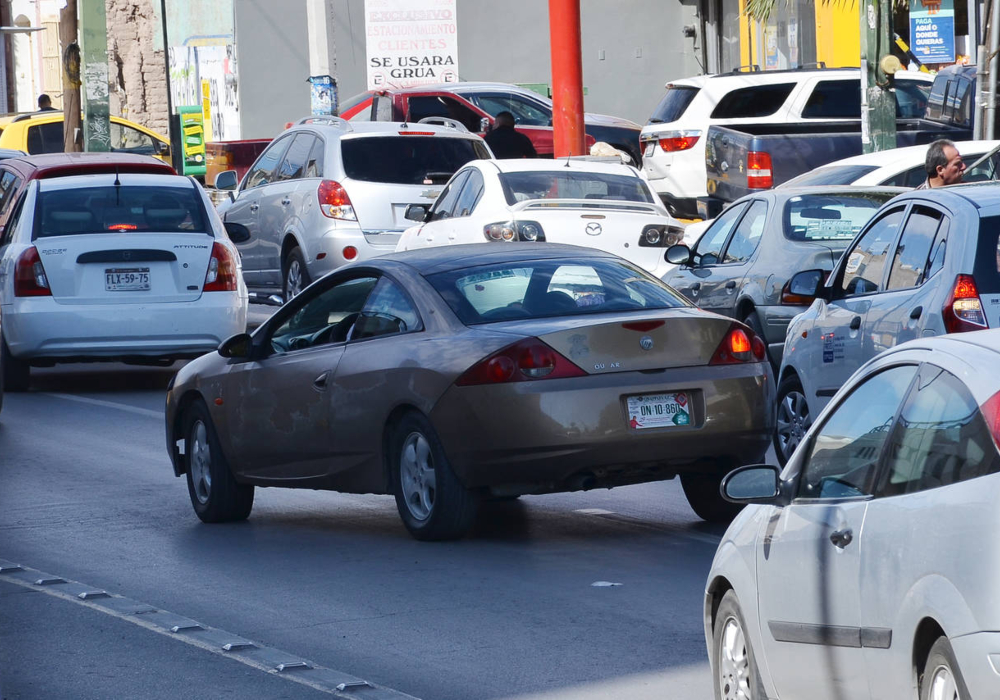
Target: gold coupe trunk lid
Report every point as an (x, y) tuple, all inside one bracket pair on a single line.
[(674, 338)]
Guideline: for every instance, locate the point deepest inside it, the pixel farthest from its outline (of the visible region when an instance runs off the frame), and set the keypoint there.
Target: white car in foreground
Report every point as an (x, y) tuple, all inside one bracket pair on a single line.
[(105, 267), (605, 205), (899, 167), (867, 569)]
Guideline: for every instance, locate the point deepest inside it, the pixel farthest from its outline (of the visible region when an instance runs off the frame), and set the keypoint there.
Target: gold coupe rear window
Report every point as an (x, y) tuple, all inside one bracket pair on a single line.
[(548, 288)]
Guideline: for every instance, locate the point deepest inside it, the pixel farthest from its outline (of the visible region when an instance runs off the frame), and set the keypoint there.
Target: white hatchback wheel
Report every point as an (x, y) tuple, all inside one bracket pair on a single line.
[(943, 685), (734, 662)]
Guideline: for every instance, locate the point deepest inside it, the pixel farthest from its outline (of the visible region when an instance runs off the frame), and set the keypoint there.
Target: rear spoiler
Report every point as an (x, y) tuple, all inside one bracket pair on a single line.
[(605, 204)]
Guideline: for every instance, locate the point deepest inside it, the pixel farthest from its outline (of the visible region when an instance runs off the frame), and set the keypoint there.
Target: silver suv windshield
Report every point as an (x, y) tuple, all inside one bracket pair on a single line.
[(408, 160)]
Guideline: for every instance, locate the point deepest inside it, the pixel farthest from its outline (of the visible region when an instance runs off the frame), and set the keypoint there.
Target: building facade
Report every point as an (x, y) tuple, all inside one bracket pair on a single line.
[(248, 62)]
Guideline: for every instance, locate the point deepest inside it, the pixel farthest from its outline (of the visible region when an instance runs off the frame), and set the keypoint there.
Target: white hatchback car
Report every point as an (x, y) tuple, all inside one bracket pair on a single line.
[(868, 568), (898, 167), (605, 205), (133, 267)]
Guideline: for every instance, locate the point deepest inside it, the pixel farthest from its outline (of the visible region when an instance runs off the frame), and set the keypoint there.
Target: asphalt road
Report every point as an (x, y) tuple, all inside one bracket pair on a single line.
[(333, 581)]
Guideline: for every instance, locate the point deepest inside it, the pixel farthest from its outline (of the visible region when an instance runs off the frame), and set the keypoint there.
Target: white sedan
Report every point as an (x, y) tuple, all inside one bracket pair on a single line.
[(105, 267), (899, 167), (605, 205)]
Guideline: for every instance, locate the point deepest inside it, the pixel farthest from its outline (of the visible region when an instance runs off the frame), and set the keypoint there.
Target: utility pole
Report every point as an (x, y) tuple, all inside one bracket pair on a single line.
[(71, 76), (567, 78), (322, 57), (878, 104), (94, 71)]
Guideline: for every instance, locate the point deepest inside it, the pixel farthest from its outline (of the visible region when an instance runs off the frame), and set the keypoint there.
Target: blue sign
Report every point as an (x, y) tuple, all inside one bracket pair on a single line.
[(932, 30), (323, 95)]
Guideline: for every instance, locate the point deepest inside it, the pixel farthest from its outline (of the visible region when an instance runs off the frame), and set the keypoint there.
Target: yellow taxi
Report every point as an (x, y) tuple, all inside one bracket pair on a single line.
[(42, 132)]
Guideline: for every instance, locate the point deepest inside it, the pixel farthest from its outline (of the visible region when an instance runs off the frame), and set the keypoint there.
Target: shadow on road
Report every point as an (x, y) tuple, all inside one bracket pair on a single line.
[(101, 377)]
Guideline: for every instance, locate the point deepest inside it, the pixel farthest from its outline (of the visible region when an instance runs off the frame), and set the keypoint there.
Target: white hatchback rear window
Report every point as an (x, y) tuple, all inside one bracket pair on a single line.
[(120, 208)]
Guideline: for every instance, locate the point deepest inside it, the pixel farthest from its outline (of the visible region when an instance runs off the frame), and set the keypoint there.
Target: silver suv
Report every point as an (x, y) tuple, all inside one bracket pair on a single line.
[(926, 264), (327, 192)]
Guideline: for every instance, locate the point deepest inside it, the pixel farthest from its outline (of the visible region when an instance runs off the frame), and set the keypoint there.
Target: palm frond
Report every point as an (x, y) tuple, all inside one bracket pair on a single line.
[(760, 10)]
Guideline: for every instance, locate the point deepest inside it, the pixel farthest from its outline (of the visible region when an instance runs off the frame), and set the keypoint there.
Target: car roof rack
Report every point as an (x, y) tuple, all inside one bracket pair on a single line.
[(444, 121), (327, 120)]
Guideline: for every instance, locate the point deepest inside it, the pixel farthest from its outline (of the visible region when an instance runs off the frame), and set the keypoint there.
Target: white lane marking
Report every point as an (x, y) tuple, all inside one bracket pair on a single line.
[(107, 404), (594, 511), (32, 579)]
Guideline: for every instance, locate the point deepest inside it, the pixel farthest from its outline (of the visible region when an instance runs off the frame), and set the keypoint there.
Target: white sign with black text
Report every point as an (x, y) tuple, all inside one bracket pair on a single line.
[(411, 42)]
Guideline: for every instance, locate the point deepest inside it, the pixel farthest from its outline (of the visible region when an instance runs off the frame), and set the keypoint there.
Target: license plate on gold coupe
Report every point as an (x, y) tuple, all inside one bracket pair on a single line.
[(126, 279), (658, 410)]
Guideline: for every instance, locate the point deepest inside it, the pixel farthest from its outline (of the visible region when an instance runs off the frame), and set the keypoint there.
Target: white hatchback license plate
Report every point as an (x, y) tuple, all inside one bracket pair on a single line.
[(126, 279), (650, 145), (659, 410)]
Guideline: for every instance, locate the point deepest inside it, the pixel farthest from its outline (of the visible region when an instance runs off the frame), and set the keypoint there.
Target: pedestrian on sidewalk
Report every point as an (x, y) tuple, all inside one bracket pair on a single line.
[(943, 164), (507, 142)]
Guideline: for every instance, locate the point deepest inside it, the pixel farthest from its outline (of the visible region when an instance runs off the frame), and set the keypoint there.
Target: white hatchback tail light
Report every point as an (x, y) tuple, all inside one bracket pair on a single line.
[(222, 272), (964, 311), (29, 275)]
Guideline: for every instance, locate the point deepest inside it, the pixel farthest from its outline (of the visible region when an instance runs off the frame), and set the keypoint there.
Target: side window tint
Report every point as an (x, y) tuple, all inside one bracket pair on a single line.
[(46, 138), (443, 106), (294, 162), (8, 185), (834, 99), (471, 193), (15, 219), (865, 262), (938, 250), (709, 247), (908, 178), (125, 138), (327, 317), (987, 170), (941, 438), (911, 99), (845, 451), (445, 204), (314, 164), (747, 237), (525, 113), (387, 311), (912, 254), (263, 170), (757, 101)]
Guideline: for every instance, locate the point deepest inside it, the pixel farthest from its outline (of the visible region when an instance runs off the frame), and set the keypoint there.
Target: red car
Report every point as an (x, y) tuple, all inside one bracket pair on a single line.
[(16, 173), (476, 104)]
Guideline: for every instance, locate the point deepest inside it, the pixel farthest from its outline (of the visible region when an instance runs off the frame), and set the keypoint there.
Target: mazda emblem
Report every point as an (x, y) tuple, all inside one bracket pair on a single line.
[(593, 229), (126, 255), (646, 343)]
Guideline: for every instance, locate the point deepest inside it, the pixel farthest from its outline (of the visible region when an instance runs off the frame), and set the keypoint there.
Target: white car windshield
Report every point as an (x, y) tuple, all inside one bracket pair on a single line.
[(558, 184)]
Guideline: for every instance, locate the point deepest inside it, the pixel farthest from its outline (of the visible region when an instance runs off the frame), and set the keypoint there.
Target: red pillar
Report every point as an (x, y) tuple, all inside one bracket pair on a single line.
[(567, 78)]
